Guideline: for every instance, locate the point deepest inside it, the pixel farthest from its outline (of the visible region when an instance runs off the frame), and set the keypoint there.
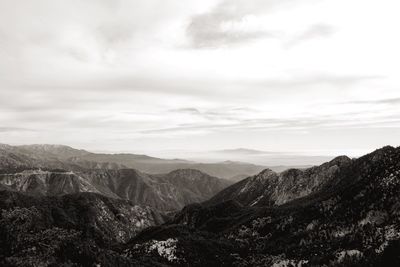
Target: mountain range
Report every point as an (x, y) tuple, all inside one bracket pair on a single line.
[(64, 157), (345, 212)]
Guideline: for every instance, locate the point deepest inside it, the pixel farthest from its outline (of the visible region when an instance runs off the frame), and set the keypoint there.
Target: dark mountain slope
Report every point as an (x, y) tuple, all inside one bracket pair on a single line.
[(353, 222), (77, 228)]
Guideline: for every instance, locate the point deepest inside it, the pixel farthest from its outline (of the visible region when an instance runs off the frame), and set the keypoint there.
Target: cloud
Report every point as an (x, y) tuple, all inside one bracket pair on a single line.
[(236, 22), (15, 129), (229, 23), (390, 101), (274, 125), (316, 80), (315, 31), (207, 32)]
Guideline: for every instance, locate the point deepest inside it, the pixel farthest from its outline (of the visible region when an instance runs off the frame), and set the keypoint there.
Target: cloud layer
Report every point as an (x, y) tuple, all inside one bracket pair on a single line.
[(152, 75)]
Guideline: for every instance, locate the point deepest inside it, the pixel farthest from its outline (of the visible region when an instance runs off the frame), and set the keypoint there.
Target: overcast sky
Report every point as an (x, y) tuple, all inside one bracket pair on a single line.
[(152, 76)]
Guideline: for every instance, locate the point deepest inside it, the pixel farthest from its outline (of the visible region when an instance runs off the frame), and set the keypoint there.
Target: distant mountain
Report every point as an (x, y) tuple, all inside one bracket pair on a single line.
[(156, 166), (46, 151), (16, 158), (165, 192), (227, 169)]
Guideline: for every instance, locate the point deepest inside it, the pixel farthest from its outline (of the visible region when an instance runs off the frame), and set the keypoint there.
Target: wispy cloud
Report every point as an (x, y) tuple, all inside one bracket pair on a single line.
[(390, 101), (316, 80), (229, 119), (15, 129), (315, 31)]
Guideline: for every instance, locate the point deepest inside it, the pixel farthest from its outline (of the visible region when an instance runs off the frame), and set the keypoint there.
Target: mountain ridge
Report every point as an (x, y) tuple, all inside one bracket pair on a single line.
[(289, 184), (165, 192)]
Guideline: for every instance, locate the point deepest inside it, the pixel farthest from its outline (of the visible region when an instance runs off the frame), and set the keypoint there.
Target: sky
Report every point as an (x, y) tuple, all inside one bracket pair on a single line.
[(166, 77)]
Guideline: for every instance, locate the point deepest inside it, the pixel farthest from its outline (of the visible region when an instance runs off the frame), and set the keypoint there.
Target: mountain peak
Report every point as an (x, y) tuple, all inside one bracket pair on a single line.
[(266, 171), (340, 160)]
